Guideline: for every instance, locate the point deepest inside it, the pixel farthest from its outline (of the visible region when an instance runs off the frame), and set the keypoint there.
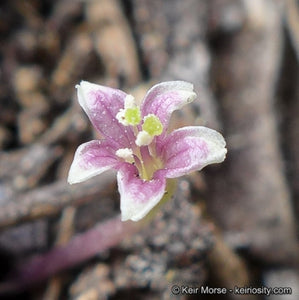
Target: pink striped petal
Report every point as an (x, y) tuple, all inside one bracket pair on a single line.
[(191, 148), (101, 104), (91, 159), (164, 98), (137, 196)]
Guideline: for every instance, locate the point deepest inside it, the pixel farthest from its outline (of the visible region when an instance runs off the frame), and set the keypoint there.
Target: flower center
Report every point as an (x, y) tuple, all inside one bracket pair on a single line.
[(143, 155)]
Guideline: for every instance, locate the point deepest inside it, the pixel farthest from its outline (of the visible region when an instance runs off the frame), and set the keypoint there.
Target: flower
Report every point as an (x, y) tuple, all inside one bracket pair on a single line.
[(136, 143)]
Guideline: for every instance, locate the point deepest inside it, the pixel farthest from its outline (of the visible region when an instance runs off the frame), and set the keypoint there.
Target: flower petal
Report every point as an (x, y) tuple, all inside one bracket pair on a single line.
[(191, 148), (164, 98), (91, 159), (137, 196), (102, 104)]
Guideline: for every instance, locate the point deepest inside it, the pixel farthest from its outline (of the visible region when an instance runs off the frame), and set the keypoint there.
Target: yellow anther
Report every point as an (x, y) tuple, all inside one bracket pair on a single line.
[(152, 125), (132, 116)]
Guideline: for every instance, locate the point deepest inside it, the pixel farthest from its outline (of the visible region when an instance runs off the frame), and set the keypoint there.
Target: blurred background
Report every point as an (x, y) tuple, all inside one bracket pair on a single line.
[(233, 224)]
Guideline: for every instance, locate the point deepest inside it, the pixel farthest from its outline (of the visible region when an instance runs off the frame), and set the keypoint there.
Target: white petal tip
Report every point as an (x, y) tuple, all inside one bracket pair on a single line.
[(137, 197), (189, 96), (134, 218), (72, 179)]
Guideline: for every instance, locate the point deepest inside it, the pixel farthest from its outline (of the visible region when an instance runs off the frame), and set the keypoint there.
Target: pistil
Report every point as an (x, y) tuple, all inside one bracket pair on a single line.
[(143, 155)]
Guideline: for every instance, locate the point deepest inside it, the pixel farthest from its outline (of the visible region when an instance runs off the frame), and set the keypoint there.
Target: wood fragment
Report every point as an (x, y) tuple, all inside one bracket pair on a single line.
[(111, 31), (227, 269), (292, 21), (49, 200), (93, 283), (23, 169), (68, 127), (288, 105), (178, 51), (249, 193), (5, 137), (72, 64), (65, 232)]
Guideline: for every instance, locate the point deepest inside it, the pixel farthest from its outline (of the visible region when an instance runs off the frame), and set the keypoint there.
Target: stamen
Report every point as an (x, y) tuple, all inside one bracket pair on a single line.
[(130, 102), (126, 154), (133, 116), (152, 150), (152, 125), (130, 115), (143, 138), (120, 116)]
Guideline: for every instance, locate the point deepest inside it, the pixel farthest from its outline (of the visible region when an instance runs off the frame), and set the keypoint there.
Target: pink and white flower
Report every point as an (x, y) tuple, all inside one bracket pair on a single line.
[(136, 143)]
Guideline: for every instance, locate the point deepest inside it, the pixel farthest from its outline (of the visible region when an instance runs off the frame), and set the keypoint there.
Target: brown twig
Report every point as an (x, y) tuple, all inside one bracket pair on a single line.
[(66, 228), (50, 199), (249, 193)]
